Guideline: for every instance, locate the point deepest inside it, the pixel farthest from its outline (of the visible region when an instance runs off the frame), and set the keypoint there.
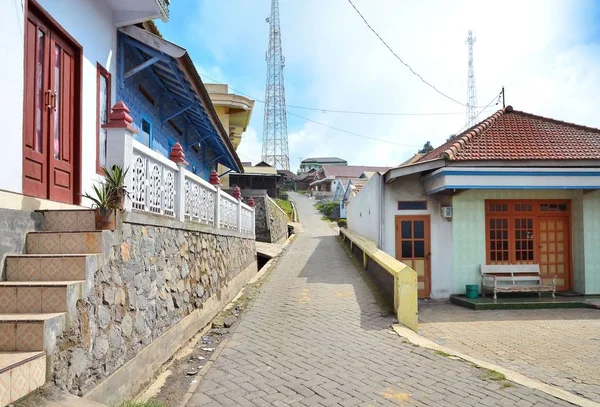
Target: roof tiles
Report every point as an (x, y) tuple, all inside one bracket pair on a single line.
[(514, 135)]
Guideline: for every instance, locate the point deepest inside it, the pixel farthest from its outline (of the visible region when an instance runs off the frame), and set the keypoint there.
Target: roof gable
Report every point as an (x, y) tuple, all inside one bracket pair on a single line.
[(514, 135)]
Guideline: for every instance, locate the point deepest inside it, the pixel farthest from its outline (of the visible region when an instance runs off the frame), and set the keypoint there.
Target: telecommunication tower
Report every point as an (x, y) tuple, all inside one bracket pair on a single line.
[(471, 91), (275, 139)]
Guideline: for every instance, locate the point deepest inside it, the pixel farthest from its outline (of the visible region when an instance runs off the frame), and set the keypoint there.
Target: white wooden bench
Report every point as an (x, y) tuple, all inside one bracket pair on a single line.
[(514, 278)]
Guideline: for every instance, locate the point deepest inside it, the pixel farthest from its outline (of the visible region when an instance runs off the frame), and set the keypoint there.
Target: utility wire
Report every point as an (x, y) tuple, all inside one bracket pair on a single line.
[(496, 98), (316, 122), (374, 113), (400, 59)]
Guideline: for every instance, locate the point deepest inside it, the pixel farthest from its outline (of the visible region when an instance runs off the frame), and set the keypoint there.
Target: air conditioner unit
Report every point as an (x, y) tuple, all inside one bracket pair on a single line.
[(446, 212)]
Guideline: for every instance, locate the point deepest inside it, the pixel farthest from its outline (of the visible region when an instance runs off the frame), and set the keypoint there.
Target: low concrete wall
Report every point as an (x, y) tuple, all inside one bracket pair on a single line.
[(270, 220), (160, 282), (396, 281), (14, 225)]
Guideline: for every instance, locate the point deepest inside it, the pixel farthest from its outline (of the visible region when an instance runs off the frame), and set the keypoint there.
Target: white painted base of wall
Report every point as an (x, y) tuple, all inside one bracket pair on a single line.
[(19, 202), (132, 377)]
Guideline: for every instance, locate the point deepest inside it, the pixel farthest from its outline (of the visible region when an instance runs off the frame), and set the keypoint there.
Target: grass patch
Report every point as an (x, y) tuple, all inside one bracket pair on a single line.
[(506, 384), (286, 206), (492, 375), (142, 404), (442, 353)]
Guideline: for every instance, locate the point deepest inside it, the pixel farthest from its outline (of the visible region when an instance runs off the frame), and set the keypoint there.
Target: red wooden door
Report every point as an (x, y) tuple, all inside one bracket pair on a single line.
[(50, 107)]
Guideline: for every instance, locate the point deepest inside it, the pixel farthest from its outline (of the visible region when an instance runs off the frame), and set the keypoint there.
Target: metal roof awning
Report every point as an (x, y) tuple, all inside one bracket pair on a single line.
[(172, 68)]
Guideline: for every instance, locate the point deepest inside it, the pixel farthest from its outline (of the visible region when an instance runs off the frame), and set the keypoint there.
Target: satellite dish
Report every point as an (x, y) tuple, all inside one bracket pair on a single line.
[(268, 20)]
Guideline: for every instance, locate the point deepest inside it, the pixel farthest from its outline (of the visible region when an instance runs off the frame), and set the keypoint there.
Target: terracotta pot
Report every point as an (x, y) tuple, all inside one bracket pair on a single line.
[(105, 219)]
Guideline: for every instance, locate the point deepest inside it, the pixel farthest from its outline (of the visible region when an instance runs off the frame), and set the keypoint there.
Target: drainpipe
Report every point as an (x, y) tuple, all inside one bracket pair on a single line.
[(381, 212)]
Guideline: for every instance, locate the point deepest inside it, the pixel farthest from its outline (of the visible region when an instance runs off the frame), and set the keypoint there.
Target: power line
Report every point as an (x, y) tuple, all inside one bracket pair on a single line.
[(316, 122), (358, 112), (400, 59), (496, 98)]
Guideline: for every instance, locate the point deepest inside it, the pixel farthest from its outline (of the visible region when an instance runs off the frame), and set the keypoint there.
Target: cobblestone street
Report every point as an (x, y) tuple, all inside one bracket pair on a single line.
[(315, 335), (556, 346)]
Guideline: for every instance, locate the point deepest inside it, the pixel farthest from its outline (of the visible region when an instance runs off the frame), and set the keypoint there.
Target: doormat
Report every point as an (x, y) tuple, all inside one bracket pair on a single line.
[(568, 294)]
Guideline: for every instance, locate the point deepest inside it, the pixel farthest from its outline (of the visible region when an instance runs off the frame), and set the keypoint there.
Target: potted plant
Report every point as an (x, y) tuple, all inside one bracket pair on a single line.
[(108, 196)]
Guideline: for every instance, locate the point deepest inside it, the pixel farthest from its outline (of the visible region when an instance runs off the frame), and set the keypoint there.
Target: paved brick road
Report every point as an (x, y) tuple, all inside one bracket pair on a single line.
[(315, 336), (558, 346)]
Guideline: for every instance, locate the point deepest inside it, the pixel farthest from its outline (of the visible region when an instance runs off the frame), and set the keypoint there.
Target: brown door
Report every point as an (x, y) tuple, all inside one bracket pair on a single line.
[(49, 113), (413, 249), (554, 251)]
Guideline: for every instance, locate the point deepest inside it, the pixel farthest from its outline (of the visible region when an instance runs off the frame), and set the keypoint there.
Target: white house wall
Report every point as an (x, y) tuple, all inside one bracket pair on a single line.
[(93, 29), (362, 211), (410, 189), (89, 22), (12, 44)]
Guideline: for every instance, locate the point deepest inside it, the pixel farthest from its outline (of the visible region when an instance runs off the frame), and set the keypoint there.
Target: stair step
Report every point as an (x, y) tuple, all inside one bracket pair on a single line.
[(74, 220), (46, 267), (20, 374), (28, 332), (64, 242), (21, 297)]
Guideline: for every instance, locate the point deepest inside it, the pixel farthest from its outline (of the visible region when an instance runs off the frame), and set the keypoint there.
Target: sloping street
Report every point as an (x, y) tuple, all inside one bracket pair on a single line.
[(316, 335)]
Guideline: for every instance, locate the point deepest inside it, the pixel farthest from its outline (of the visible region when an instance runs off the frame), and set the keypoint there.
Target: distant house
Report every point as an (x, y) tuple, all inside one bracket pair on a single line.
[(258, 177), (516, 188), (287, 180), (304, 180), (329, 176), (317, 162)]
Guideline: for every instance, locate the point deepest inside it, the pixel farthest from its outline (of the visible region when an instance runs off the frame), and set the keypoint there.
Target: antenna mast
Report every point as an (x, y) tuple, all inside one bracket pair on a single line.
[(275, 139), (471, 91)]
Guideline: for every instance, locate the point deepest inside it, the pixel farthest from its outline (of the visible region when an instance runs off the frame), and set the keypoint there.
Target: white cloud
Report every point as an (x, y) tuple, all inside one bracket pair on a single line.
[(539, 50)]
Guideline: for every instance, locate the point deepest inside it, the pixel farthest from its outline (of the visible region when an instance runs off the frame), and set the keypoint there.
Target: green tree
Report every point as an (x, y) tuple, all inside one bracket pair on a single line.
[(427, 147)]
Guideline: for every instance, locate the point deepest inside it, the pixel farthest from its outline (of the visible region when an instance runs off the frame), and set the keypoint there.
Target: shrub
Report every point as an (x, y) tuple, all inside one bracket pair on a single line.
[(342, 223)]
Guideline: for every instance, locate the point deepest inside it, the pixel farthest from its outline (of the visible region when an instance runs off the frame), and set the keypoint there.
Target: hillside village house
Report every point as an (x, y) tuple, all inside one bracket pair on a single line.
[(329, 176), (315, 163), (92, 83), (516, 188)]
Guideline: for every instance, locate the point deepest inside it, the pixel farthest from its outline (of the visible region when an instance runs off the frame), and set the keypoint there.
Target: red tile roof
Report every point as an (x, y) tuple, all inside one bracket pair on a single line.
[(349, 171), (514, 135)]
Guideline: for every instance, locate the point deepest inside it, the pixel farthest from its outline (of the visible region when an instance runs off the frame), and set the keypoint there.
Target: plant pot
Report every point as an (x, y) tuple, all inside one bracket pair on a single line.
[(106, 219)]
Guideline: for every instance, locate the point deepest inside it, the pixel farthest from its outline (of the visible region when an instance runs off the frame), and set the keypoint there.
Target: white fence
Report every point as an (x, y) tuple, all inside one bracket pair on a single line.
[(160, 186)]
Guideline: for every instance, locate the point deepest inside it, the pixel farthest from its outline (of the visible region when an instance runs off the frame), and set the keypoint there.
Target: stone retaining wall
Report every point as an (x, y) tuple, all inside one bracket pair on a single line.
[(155, 273), (14, 225)]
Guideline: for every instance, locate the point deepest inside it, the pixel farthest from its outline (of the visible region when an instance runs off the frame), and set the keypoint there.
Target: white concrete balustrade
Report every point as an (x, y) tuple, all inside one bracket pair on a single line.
[(161, 186)]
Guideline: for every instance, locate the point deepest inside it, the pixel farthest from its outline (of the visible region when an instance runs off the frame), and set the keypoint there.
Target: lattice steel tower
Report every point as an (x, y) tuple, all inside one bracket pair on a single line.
[(275, 139), (471, 91)]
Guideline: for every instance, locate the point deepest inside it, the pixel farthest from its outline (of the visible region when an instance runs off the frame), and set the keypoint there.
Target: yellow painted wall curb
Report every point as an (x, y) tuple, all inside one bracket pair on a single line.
[(510, 374), (405, 279)]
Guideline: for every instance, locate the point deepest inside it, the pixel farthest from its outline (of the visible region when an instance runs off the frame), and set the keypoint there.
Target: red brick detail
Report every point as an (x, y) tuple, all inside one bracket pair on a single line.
[(177, 155), (120, 118), (251, 202), (214, 178), (237, 193)]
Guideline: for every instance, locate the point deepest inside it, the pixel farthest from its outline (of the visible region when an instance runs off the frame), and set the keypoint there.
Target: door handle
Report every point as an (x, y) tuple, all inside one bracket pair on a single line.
[(47, 99), (53, 98)]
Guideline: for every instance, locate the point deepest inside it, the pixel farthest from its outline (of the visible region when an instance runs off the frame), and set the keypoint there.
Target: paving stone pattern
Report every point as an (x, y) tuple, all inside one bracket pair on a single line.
[(557, 346), (315, 336)]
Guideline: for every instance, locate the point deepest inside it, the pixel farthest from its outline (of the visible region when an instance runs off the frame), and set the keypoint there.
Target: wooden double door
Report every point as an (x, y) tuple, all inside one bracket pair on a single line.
[(51, 109), (531, 232)]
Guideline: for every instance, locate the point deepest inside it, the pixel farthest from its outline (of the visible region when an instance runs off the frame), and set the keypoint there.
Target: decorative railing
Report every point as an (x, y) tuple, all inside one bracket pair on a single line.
[(163, 186)]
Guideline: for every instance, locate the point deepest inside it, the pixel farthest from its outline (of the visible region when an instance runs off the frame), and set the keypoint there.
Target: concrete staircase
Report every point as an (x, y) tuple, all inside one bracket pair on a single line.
[(40, 296)]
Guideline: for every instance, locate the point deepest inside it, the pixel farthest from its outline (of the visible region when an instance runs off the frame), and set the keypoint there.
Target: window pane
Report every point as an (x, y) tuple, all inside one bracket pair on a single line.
[(419, 248), (406, 229), (419, 226), (57, 96), (39, 93), (406, 249), (412, 205), (103, 107)]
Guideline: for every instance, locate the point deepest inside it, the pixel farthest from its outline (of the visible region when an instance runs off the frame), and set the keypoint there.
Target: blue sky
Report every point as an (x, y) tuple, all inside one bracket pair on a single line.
[(546, 53)]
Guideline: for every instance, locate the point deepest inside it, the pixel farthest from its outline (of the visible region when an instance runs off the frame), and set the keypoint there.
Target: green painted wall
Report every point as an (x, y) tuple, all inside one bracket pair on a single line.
[(468, 230), (577, 238), (591, 232)]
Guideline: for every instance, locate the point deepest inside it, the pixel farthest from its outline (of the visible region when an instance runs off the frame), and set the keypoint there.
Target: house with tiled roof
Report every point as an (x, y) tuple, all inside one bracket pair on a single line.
[(328, 177), (516, 188), (315, 163)]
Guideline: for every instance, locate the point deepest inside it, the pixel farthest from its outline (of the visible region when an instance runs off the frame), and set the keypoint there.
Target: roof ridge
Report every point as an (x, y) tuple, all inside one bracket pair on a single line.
[(551, 119), (461, 141)]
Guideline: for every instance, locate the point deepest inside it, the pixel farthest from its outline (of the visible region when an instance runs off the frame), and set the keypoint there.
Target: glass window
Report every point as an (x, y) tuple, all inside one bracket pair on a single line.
[(145, 135), (102, 111), (406, 229), (412, 205), (407, 249)]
